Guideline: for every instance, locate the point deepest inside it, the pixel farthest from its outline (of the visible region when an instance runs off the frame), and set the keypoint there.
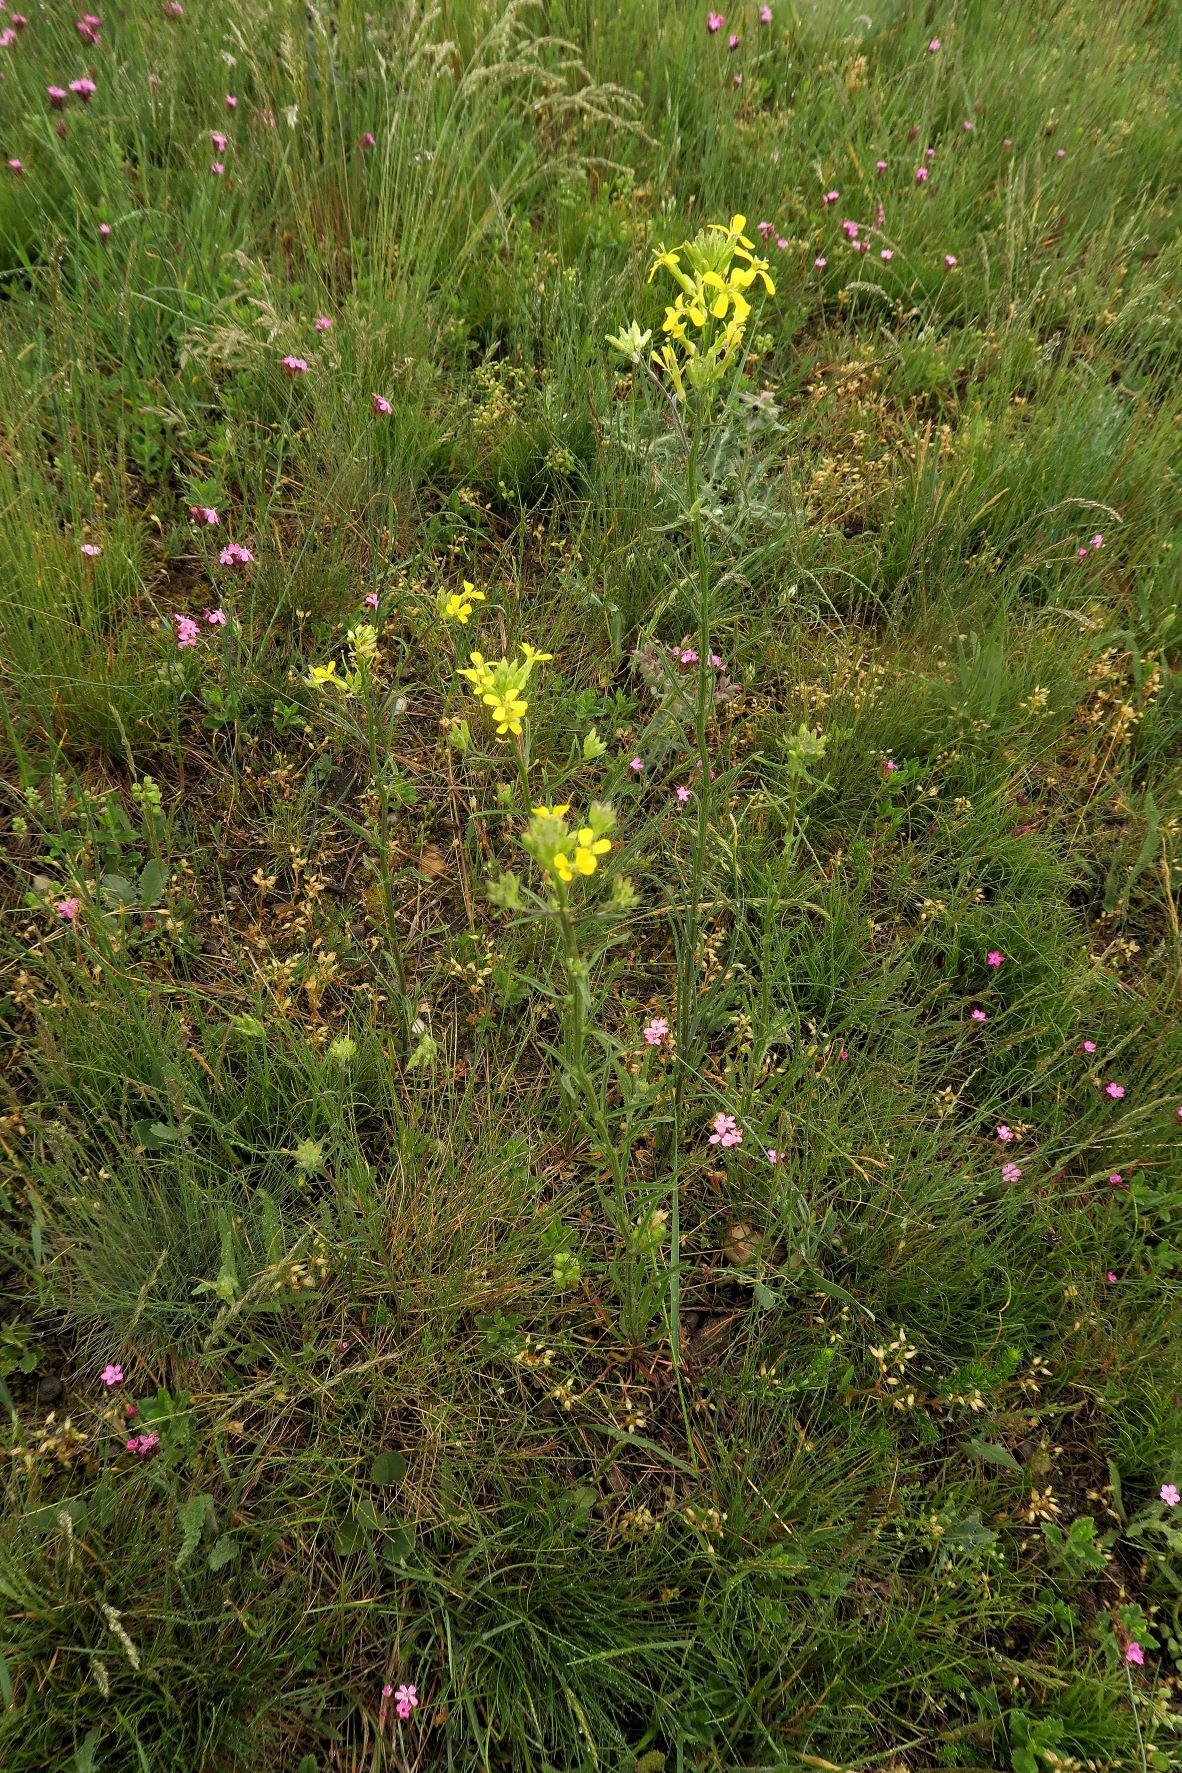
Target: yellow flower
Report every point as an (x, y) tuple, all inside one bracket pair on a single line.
[(508, 710), (321, 674), (533, 656), (588, 848), (550, 812), (562, 868), (459, 605)]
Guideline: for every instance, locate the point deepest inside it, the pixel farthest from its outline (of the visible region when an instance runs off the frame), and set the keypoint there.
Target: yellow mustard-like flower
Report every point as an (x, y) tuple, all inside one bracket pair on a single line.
[(501, 684), (588, 849), (322, 674), (458, 605)]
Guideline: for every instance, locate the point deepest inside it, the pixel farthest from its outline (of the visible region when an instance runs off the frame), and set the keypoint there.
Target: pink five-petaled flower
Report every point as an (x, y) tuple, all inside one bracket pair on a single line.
[(173, 9), (1097, 540), (829, 197), (682, 793), (111, 1375), (143, 1444), (967, 127), (1005, 1134), (405, 1700), (949, 261), (994, 958), (1010, 1173), (850, 229), (370, 600), (934, 46), (7, 38), (921, 175), (217, 141), (725, 1133), (57, 96), (766, 229), (293, 366), (380, 406), (216, 169), (1115, 1090), (87, 27), (765, 15), (773, 1156), (1060, 153), (1116, 1180), (1169, 1495), (215, 617), (886, 255), (1134, 1652), (1081, 553), (732, 41), (880, 166), (636, 763), (231, 102), (367, 141), (737, 81), (655, 1031), (84, 89), (19, 21), (977, 1016), (1088, 1046), (234, 554), (714, 21), (17, 167), (322, 323), (781, 243), (1110, 1277), (91, 550), (187, 631), (67, 909), (203, 514), (104, 230), (820, 263)]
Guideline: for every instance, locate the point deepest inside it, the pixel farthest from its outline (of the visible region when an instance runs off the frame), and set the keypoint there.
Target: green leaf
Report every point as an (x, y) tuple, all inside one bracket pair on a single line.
[(224, 1551), (309, 1764), (387, 1468), (992, 1452), (151, 884), (192, 1516), (85, 1759), (5, 1683), (398, 1546)]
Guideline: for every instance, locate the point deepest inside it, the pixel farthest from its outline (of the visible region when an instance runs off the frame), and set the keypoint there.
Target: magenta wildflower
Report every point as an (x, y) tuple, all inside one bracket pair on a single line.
[(921, 175), (84, 89), (7, 38), (714, 21), (977, 1016), (1010, 1173), (773, 1156), (15, 166), (1005, 1134), (1169, 1495), (994, 958), (1008, 142), (687, 656), (683, 795), (766, 229), (949, 261), (367, 141), (111, 1375), (655, 1031), (87, 27), (57, 96), (765, 15), (1089, 1046), (388, 1690), (781, 243), (1060, 153), (187, 631), (143, 1444), (293, 366), (203, 514), (850, 229), (405, 1701), (323, 323), (886, 255), (737, 81), (173, 9), (91, 550), (1115, 1090), (934, 46), (1110, 1277), (820, 263), (231, 102), (217, 141), (860, 245), (104, 230), (967, 127), (726, 1133), (829, 197), (215, 617), (19, 21), (234, 554), (380, 406), (1116, 1180), (1081, 553), (888, 767), (1097, 541), (216, 168), (732, 41), (880, 166), (370, 600), (636, 763), (1134, 1652), (67, 909), (929, 153)]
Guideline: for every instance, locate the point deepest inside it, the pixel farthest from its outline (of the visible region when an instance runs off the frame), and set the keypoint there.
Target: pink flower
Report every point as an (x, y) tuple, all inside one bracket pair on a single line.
[(67, 909), (111, 1375), (380, 406), (7, 39), (765, 15), (1005, 1134), (714, 21), (880, 166), (144, 1444), (967, 127), (886, 255), (829, 197), (683, 795), (19, 21), (234, 554), (637, 764), (994, 958), (921, 175), (1008, 142), (850, 229), (405, 1701), (820, 263), (1134, 1652), (949, 261), (687, 656), (879, 215), (367, 141), (732, 41), (860, 245), (1081, 553), (388, 1691), (215, 617), (231, 102), (773, 1156), (84, 89), (57, 96), (1169, 1495), (737, 81), (87, 27), (1010, 1173), (767, 229), (1110, 1277), (1060, 153), (1117, 1181), (1089, 1046), (216, 168), (293, 366), (104, 230), (977, 1016), (934, 46), (217, 141), (1115, 1090), (843, 1054), (725, 1133), (1097, 541), (888, 767), (91, 550), (655, 1031), (203, 514), (173, 9), (323, 323), (929, 153), (187, 631), (370, 600), (16, 167), (781, 243)]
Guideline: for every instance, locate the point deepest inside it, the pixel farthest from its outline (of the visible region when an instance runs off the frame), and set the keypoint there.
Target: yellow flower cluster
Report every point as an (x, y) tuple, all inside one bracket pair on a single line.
[(706, 322), (458, 605), (562, 852), (363, 656), (501, 685)]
